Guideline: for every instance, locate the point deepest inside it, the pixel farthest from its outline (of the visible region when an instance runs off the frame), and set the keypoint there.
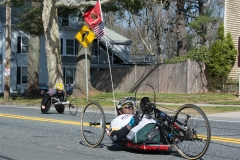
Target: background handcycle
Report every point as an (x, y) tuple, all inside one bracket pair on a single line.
[(187, 130), (60, 105)]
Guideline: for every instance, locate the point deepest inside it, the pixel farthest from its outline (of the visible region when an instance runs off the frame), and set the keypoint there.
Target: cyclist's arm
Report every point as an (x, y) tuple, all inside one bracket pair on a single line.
[(45, 99), (118, 135)]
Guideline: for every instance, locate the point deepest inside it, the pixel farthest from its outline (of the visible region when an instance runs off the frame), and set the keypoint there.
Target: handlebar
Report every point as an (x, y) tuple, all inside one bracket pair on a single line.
[(160, 115), (60, 102)]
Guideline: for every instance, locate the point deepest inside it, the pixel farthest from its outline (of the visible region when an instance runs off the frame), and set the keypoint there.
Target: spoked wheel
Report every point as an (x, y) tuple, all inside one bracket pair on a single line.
[(193, 141), (73, 107), (93, 124)]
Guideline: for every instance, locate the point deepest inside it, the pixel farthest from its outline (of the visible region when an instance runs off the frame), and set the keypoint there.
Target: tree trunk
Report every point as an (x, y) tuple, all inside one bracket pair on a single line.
[(204, 38), (33, 67), (52, 42), (180, 29), (8, 52), (80, 87)]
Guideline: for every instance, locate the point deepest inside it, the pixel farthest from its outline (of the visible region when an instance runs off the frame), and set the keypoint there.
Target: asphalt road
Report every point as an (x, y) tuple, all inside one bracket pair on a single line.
[(26, 134)]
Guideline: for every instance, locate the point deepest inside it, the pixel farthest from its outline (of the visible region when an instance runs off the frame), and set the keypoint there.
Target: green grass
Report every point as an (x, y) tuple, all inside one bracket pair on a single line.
[(106, 100)]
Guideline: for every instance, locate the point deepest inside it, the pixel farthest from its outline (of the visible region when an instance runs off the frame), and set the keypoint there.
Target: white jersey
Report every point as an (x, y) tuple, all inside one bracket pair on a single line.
[(145, 120), (120, 121)]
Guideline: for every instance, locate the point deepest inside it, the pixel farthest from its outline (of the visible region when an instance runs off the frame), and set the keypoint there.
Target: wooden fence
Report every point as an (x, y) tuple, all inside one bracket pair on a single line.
[(185, 77)]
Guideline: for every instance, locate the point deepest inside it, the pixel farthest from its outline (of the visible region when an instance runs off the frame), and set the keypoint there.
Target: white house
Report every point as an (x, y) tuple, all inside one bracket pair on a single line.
[(118, 50)]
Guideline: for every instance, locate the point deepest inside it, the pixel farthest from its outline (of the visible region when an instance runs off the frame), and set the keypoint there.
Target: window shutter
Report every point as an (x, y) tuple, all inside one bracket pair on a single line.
[(18, 75), (76, 47), (18, 44)]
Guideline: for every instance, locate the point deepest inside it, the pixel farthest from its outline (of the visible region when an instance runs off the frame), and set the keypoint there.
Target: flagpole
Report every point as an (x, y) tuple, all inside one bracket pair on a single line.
[(96, 25), (100, 9), (110, 75), (109, 64), (86, 75)]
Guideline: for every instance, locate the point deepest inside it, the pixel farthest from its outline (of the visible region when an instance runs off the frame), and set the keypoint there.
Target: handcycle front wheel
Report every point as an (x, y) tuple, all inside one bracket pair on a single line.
[(193, 142), (93, 124), (73, 107)]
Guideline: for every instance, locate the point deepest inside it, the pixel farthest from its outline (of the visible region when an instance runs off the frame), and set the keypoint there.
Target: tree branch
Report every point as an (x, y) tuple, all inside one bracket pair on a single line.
[(69, 4), (3, 2), (140, 35)]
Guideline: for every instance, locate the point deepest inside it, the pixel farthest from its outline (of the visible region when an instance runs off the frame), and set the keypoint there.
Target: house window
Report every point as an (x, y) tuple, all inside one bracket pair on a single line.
[(96, 48), (69, 75), (22, 44), (70, 47), (24, 75), (65, 21), (21, 75)]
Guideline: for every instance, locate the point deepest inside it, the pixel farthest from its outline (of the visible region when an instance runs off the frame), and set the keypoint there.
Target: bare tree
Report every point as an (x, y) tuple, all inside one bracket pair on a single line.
[(8, 52), (30, 21), (180, 28), (52, 42), (80, 86), (151, 30), (33, 66), (79, 4)]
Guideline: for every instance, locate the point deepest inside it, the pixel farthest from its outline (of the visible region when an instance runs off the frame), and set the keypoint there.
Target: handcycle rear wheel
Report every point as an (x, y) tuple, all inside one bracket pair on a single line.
[(195, 142), (47, 107), (73, 107), (93, 124)]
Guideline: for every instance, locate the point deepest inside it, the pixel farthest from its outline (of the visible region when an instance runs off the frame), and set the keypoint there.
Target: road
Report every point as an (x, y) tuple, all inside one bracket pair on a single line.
[(26, 134)]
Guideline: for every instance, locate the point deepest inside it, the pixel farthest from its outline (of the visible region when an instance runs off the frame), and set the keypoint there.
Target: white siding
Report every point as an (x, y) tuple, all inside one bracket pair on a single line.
[(232, 25)]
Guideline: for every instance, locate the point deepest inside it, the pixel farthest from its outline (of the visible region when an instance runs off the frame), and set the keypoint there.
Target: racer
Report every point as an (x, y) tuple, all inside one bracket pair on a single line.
[(57, 92), (130, 126), (121, 125)]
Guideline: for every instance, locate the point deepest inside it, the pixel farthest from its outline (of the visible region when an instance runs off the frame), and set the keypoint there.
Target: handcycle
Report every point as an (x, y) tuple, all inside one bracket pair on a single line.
[(187, 130), (60, 105)]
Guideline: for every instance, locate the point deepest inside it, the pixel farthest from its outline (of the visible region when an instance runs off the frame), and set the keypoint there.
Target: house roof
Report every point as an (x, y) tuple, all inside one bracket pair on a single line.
[(111, 35), (117, 38)]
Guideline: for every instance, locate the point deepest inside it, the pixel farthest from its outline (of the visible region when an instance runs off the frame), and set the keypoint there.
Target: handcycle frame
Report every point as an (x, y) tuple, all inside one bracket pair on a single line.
[(60, 106), (180, 131)]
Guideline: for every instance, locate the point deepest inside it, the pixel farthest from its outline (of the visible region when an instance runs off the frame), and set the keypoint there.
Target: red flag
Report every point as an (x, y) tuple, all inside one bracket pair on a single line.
[(99, 30), (94, 16)]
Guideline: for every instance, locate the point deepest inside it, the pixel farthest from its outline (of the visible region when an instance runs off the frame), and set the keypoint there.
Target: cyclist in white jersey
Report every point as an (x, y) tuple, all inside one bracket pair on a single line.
[(130, 126), (122, 124)]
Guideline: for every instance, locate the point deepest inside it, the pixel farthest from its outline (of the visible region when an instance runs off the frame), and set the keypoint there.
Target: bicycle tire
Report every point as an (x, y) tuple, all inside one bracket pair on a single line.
[(60, 108), (93, 124), (47, 107), (73, 107), (197, 140)]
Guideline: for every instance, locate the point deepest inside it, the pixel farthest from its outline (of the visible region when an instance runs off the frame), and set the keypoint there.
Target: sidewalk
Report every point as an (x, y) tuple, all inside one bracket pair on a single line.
[(199, 104), (228, 115)]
